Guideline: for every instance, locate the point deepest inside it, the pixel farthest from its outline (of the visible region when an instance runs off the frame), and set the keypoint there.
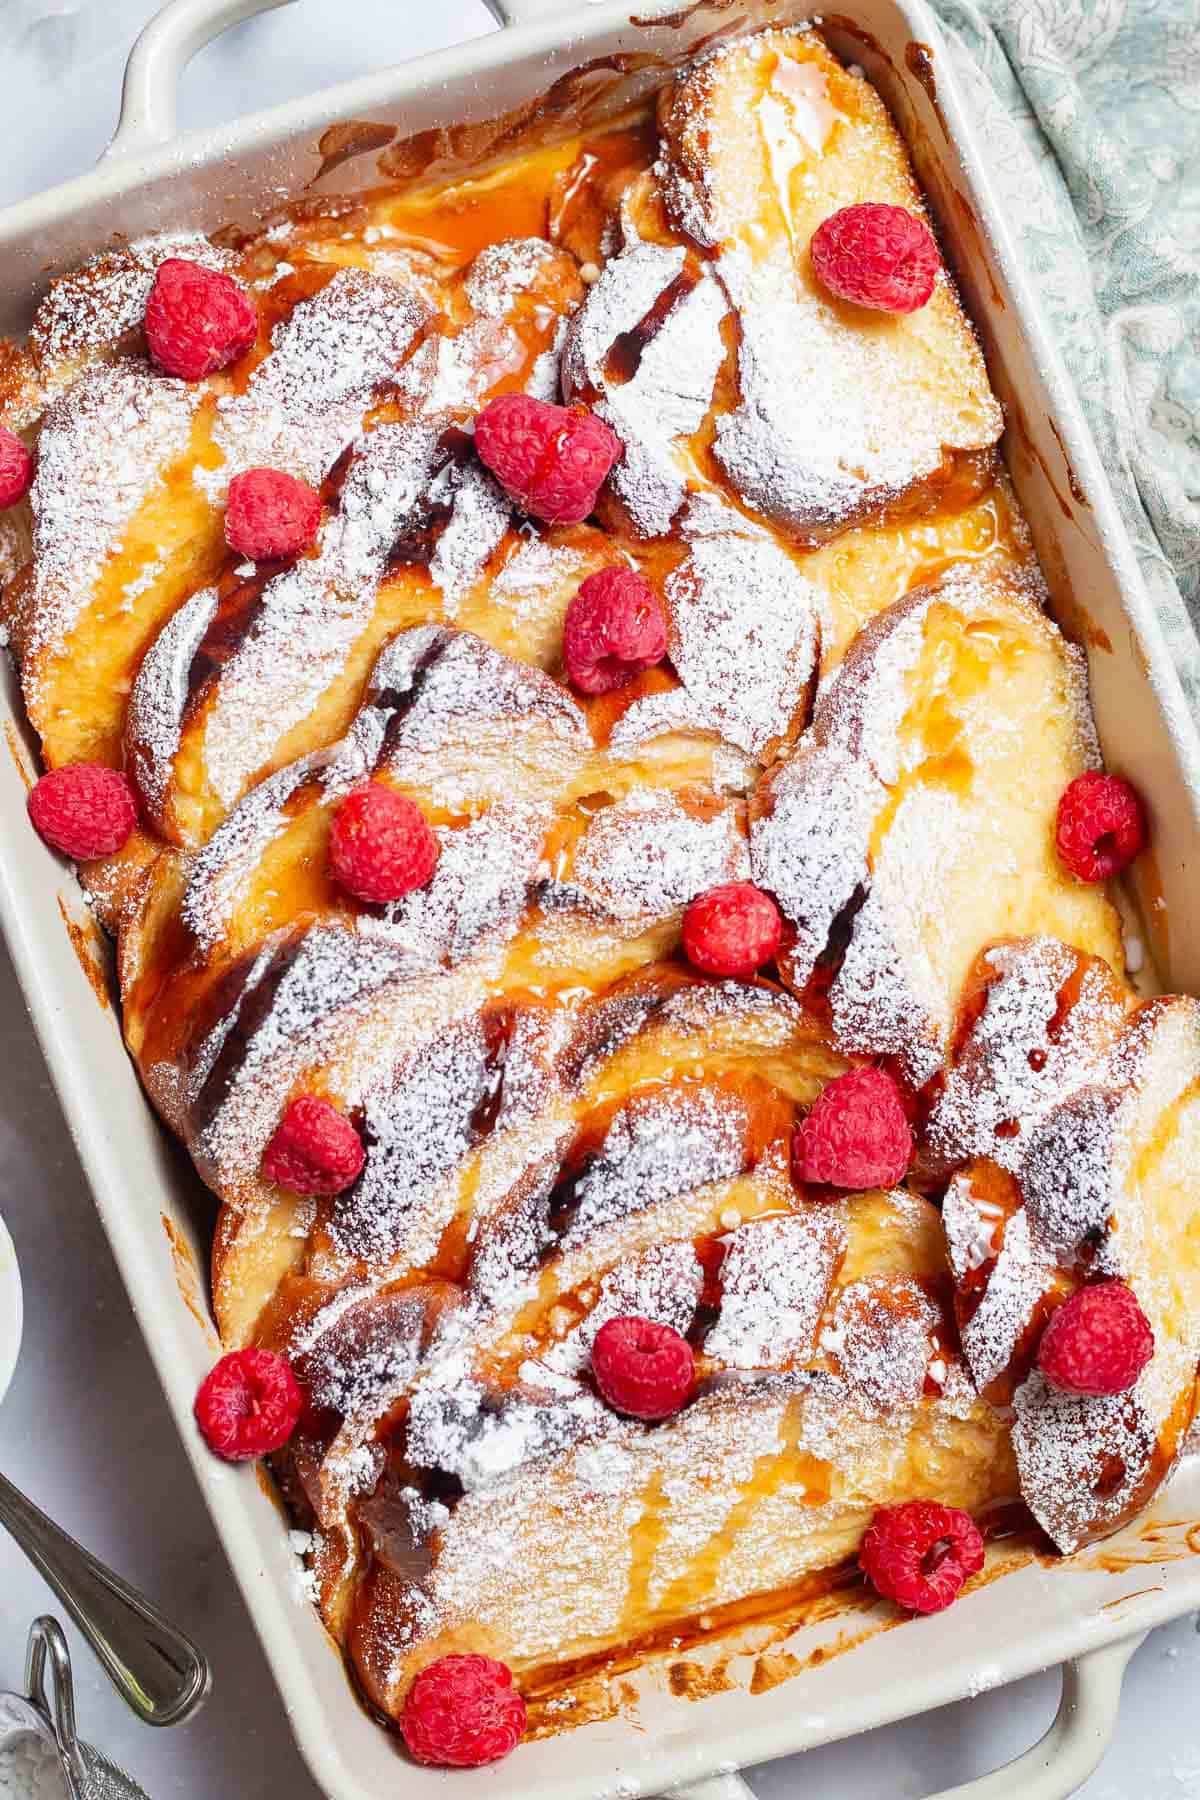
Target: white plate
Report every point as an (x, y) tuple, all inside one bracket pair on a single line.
[(10, 1309)]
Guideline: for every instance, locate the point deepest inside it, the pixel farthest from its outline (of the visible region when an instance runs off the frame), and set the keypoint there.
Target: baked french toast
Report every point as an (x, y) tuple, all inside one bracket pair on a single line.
[(550, 688), (1073, 1115)]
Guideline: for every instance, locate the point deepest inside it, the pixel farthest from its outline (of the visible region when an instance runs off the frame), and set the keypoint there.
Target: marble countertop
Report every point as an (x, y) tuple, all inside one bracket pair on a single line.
[(84, 1430)]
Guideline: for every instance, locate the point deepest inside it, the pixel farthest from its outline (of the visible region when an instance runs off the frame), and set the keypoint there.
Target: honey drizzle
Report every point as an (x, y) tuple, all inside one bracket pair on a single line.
[(958, 660)]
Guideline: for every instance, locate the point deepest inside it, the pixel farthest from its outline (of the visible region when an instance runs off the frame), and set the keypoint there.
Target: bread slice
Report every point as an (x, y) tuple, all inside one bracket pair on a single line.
[(841, 413), (914, 821), (132, 468), (1089, 1177), (267, 664), (715, 355), (814, 1340)]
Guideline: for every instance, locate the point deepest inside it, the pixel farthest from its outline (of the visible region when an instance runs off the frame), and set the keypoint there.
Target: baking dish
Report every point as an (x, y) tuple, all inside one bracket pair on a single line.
[(555, 70)]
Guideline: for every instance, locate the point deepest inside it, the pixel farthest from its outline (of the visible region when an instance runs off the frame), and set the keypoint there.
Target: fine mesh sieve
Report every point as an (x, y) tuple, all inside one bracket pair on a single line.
[(44, 1720)]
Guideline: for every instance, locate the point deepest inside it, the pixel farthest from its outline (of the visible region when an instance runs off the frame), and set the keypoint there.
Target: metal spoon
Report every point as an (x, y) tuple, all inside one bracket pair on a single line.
[(156, 1669)]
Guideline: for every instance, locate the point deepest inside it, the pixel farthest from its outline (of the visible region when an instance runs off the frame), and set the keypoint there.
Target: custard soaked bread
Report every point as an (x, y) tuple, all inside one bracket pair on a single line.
[(566, 840), (1079, 1113), (717, 355)]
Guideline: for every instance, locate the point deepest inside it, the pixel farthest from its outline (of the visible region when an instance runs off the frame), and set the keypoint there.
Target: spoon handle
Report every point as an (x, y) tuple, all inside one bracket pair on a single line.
[(156, 1669)]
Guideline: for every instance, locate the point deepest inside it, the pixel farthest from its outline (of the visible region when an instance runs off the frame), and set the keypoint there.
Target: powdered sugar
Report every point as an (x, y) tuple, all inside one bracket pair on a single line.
[(660, 1145), (101, 453), (775, 1281), (879, 1339), (662, 1284), (1016, 1281), (1013, 1068), (664, 401), (646, 856), (86, 314), (154, 719), (304, 403), (868, 823), (743, 641)]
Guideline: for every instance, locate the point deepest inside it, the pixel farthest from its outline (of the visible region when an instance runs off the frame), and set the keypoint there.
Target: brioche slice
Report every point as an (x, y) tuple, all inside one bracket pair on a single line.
[(266, 665), (90, 315), (914, 820), (772, 1470), (132, 471), (841, 413), (1089, 1177), (470, 1100)]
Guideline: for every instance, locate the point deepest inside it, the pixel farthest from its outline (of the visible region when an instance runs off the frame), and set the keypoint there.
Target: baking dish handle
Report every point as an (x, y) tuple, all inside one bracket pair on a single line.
[(1056, 1766), (158, 59)]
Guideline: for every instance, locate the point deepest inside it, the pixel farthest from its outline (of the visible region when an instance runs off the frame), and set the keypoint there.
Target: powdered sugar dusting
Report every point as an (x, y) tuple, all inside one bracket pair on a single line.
[(1065, 1442), (662, 1284), (743, 640), (666, 398), (1018, 1278), (809, 845), (304, 402), (775, 1280), (309, 615), (101, 453), (646, 856), (481, 724), (154, 719), (86, 314), (879, 1338), (1012, 1070), (658, 1146)]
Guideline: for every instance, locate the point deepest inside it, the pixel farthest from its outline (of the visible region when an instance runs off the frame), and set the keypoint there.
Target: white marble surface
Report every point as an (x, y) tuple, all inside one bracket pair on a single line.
[(84, 1430)]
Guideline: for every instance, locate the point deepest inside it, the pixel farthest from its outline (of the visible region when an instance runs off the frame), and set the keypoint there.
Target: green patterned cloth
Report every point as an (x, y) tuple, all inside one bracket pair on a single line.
[(1089, 112)]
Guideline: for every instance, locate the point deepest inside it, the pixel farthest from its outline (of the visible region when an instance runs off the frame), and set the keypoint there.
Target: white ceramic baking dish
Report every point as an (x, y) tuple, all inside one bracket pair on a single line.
[(1089, 1612)]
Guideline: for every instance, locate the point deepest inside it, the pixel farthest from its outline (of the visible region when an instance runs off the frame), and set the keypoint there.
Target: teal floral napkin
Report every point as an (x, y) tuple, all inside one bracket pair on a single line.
[(1090, 115)]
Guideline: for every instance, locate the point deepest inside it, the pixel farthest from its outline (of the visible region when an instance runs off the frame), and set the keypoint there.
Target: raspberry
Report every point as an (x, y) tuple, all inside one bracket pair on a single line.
[(381, 846), (1098, 1341), (552, 460), (248, 1405), (732, 930), (878, 256), (84, 810), (16, 468), (269, 514), (1100, 827), (462, 1712), (920, 1554), (315, 1149), (856, 1136), (643, 1369), (614, 627), (197, 319)]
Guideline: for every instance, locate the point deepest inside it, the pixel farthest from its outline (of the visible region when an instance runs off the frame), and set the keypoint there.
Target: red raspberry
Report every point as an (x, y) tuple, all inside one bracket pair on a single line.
[(732, 930), (197, 319), (920, 1554), (613, 629), (878, 256), (857, 1134), (248, 1405), (16, 468), (1097, 1342), (643, 1369), (84, 810), (1101, 825), (269, 514), (462, 1712), (552, 460), (315, 1149), (381, 846)]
